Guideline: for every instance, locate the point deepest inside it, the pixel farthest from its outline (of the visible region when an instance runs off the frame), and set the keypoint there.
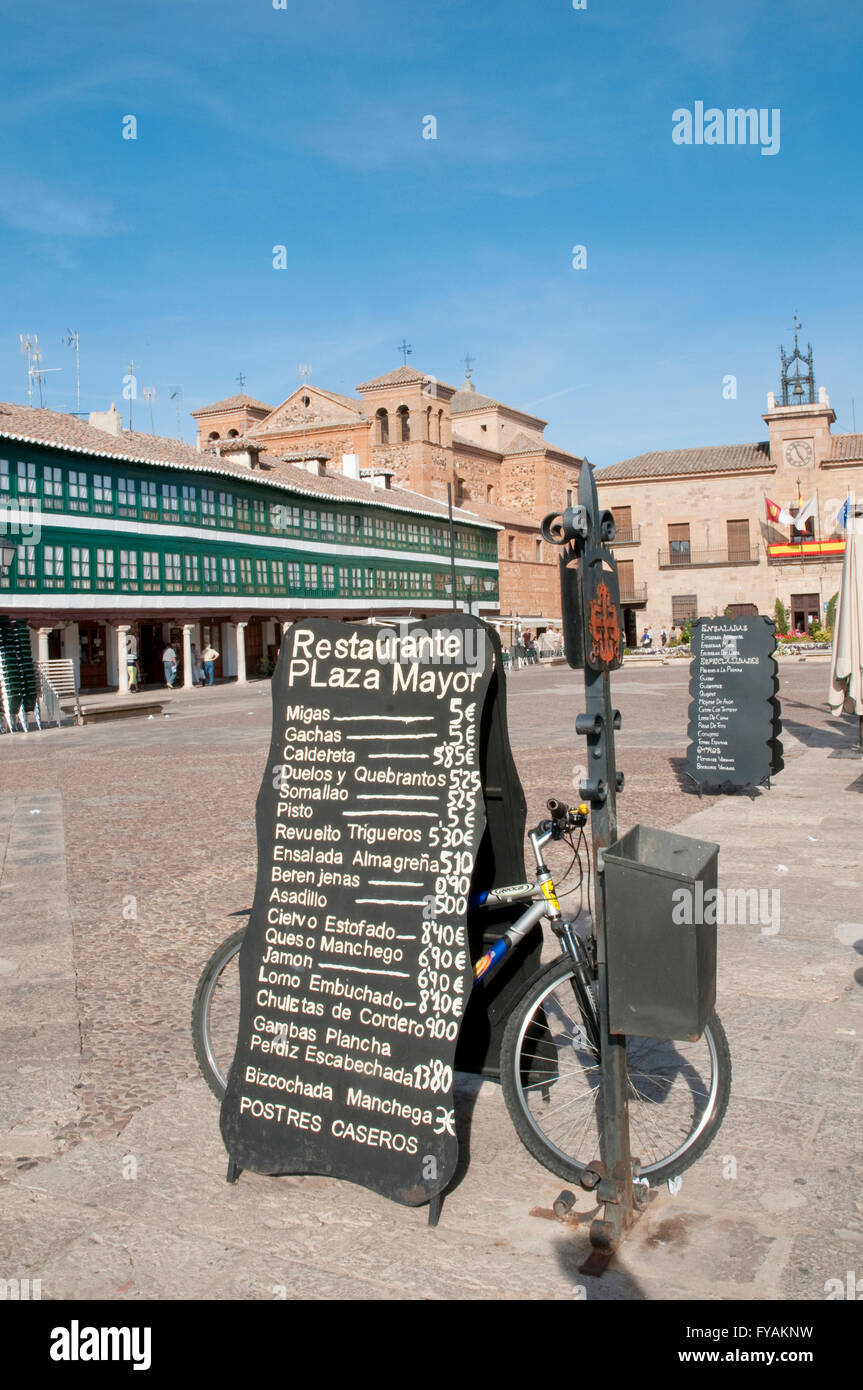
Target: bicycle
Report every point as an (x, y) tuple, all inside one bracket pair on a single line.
[(550, 1059)]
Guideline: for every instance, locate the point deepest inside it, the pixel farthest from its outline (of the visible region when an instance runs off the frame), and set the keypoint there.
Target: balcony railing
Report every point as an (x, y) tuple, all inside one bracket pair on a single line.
[(806, 550), (627, 535), (688, 559), (633, 593)]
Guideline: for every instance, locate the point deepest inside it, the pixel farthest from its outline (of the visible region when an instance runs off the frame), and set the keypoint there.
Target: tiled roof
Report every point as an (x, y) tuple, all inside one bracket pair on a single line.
[(846, 446), (463, 401), (504, 515), (53, 429), (667, 463), (402, 376), (230, 403)]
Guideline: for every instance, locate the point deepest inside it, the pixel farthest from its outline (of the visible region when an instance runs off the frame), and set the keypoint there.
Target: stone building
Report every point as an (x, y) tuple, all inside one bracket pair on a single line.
[(694, 537), (413, 431), (118, 532)]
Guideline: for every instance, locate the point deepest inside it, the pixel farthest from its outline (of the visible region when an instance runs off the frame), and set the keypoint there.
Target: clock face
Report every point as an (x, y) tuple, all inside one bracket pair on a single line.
[(798, 452)]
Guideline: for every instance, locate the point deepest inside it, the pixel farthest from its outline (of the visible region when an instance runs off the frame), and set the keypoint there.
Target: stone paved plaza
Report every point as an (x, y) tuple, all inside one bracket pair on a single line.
[(128, 854)]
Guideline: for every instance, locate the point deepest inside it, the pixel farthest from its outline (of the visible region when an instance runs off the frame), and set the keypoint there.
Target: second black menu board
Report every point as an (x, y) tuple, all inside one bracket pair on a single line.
[(734, 717), (355, 969)]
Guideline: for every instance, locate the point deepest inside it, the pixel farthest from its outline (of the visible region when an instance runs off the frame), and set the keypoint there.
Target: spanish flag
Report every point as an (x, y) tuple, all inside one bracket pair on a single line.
[(777, 513)]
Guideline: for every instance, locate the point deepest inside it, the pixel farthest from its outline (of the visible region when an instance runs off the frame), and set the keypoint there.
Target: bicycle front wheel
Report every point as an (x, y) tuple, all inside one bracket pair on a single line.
[(216, 1014), (551, 1079)]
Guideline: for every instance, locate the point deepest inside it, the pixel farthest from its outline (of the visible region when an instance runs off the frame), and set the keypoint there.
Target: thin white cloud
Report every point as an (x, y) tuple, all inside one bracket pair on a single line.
[(31, 205)]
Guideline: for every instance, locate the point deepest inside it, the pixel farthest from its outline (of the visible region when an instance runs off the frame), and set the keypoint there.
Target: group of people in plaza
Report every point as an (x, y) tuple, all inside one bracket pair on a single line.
[(647, 637), (203, 664)]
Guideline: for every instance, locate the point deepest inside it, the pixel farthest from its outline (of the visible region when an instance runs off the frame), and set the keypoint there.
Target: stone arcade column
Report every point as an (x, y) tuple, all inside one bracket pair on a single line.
[(122, 632), (187, 656), (42, 635), (241, 652)]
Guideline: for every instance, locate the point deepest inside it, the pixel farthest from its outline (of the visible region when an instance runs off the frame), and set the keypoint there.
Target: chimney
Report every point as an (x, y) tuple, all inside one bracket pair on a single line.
[(110, 421), (351, 465)]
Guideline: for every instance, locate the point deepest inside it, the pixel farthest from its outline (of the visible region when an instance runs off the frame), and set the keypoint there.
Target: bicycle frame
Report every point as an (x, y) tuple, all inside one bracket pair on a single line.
[(545, 906)]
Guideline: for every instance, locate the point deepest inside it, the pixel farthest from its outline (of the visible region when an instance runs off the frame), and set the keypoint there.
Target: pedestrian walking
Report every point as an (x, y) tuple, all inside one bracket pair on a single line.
[(210, 656), (169, 662), (664, 637), (197, 667), (132, 662)]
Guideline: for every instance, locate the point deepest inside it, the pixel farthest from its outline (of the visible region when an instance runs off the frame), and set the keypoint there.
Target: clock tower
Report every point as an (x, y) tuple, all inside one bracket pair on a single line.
[(799, 424)]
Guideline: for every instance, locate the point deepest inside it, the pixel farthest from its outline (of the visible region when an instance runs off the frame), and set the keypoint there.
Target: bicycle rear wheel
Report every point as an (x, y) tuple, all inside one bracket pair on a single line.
[(216, 1014), (551, 1079)]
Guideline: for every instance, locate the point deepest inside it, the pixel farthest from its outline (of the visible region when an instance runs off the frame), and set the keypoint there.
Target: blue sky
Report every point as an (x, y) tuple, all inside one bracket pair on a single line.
[(303, 127)]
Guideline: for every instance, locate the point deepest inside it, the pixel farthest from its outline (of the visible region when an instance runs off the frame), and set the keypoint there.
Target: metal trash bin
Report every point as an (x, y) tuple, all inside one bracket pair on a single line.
[(661, 951)]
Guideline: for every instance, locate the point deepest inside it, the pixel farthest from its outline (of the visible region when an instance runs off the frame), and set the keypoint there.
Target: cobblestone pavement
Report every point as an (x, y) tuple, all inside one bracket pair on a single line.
[(160, 847)]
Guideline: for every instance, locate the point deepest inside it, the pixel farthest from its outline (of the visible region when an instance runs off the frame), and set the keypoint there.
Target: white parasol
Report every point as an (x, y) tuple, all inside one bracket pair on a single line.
[(846, 671)]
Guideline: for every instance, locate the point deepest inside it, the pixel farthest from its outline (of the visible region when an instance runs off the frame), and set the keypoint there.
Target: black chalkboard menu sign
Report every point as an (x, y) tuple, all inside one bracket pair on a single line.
[(355, 970), (734, 717)]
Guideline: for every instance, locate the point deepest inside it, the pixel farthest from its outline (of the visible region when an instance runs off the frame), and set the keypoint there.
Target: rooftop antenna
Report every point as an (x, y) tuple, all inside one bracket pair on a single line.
[(27, 344), (305, 373), (149, 394), (405, 350), (177, 398), (468, 365), (71, 340), (242, 380), (39, 373)]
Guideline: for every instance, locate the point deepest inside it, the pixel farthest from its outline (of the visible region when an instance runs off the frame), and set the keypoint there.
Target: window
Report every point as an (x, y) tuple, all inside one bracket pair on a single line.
[(242, 519), (261, 576), (190, 503), (128, 569), (77, 491), (190, 565), (246, 573), (26, 479), (104, 569), (150, 569), (538, 552), (103, 495), (510, 547), (229, 572), (126, 496), (489, 492), (172, 571), (4, 475), (293, 576), (309, 521), (52, 566), (678, 544), (327, 523), (226, 508), (170, 502), (738, 540), (328, 577), (79, 567), (282, 518), (149, 504), (404, 423), (310, 577), (569, 496), (626, 579), (210, 570), (623, 523), (27, 566), (52, 487), (383, 420), (684, 608), (277, 569), (742, 610), (208, 506)]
